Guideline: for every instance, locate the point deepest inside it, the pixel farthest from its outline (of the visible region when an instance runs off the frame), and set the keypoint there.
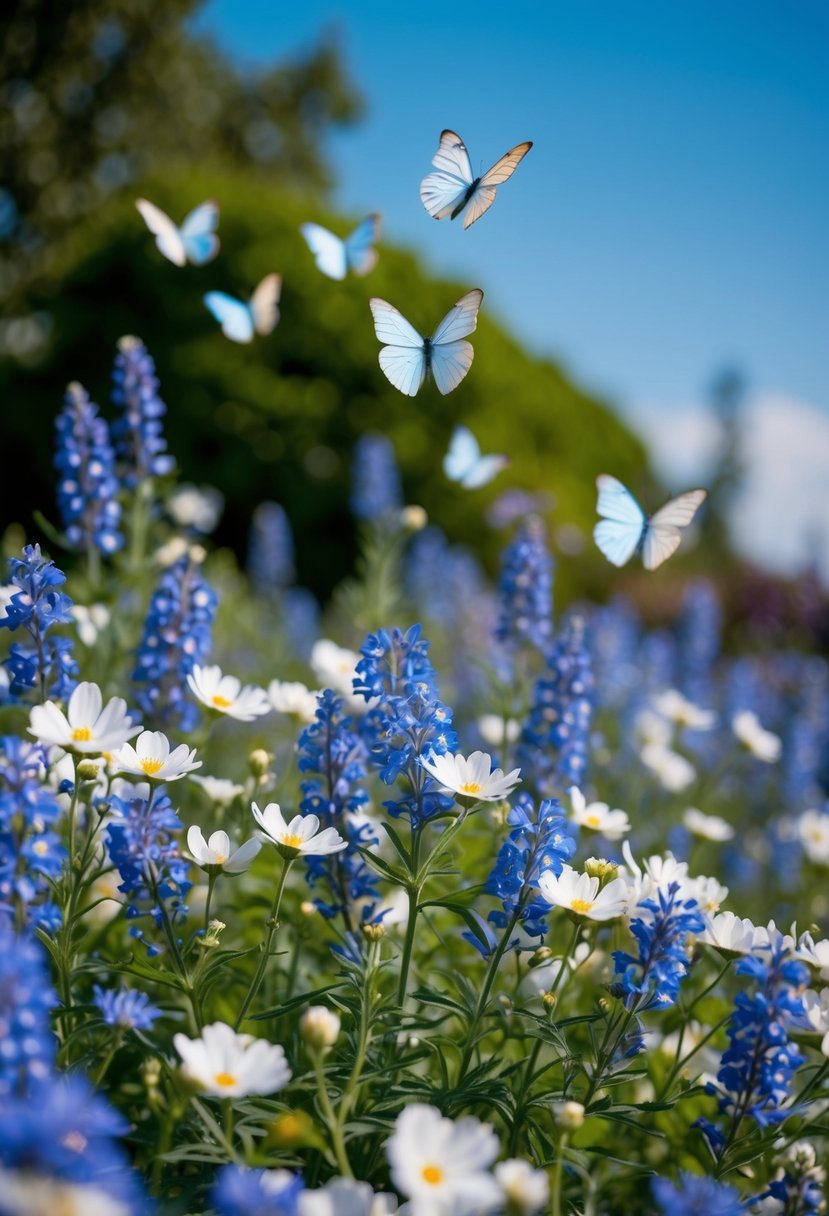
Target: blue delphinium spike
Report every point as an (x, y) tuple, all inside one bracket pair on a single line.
[(375, 478), (87, 486), (525, 589), (140, 446), (36, 605)]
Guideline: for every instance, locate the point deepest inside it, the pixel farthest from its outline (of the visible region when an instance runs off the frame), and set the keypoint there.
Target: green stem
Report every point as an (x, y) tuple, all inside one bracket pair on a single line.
[(486, 988), (331, 1120), (272, 924), (558, 1175), (211, 882), (107, 1060)]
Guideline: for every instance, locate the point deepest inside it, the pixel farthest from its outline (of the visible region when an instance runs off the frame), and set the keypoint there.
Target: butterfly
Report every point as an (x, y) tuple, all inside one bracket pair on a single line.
[(625, 529), (464, 463), (335, 257), (195, 241), (240, 320), (454, 189), (408, 358)]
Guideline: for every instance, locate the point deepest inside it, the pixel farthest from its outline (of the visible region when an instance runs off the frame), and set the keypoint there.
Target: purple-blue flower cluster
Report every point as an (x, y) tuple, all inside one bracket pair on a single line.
[(270, 562), (36, 605), (539, 839), (555, 737), (126, 1008), (140, 446), (31, 852), (696, 1196), (408, 719), (27, 1044), (375, 478), (252, 1192), (87, 486), (331, 749), (525, 589), (661, 926), (142, 846), (757, 1067), (177, 635)]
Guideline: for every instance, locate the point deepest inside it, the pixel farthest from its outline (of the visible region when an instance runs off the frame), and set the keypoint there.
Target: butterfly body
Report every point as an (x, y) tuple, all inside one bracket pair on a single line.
[(408, 358), (336, 257), (625, 529), (241, 320), (193, 241), (454, 190)]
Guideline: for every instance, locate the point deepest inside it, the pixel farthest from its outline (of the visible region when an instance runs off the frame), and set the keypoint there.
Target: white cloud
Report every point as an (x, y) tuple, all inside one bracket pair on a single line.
[(781, 517)]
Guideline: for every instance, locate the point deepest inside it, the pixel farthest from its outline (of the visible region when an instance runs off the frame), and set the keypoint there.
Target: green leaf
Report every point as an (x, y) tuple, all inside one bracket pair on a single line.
[(402, 851), (295, 1002)]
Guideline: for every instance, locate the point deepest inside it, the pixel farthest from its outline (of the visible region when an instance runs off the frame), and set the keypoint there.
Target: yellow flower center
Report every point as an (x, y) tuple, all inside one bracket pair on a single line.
[(81, 734), (221, 858), (75, 1141), (291, 840), (592, 821), (470, 787), (221, 702), (41, 848), (432, 1174), (581, 906), (151, 766), (224, 1078)]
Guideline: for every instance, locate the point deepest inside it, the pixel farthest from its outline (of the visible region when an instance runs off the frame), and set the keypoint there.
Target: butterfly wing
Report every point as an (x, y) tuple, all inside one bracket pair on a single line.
[(234, 316), (360, 254), (198, 233), (451, 358), (443, 192), (619, 532), (167, 236), (328, 250), (662, 535), (462, 455), (483, 196), (264, 304), (403, 357)]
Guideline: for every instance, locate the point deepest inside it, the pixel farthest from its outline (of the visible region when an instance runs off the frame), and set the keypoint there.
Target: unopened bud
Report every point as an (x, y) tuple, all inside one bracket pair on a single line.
[(151, 1075), (604, 1004), (88, 770), (542, 955), (601, 868), (259, 761), (319, 1026), (549, 1001), (414, 518), (308, 908), (569, 1116), (211, 938), (374, 933), (292, 1130)]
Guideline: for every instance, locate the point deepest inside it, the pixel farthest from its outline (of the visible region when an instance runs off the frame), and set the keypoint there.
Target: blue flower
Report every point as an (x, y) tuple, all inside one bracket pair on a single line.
[(539, 840), (126, 1008), (270, 562), (661, 926), (140, 445), (696, 1196), (143, 848), (36, 606), (243, 1192), (525, 588), (177, 635), (375, 478), (27, 1044), (87, 486)]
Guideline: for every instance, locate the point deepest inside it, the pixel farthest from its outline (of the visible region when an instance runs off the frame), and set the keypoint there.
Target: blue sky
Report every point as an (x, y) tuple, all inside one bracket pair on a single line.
[(672, 215)]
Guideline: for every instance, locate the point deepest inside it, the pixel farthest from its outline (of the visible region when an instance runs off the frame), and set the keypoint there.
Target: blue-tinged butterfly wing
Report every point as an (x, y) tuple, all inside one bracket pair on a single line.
[(234, 316), (167, 236), (328, 250), (662, 534), (483, 195), (198, 233), (264, 304), (484, 471), (462, 454), (442, 193), (621, 529), (403, 357), (451, 357), (360, 254)]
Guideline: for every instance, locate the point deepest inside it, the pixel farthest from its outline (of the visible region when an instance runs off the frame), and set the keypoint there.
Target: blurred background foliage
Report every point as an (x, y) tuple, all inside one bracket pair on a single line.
[(103, 100)]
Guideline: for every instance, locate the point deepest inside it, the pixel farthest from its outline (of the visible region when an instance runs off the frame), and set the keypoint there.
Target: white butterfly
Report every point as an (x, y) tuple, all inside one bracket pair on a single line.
[(408, 358), (240, 320), (336, 257), (454, 189), (464, 463), (195, 241), (626, 529)]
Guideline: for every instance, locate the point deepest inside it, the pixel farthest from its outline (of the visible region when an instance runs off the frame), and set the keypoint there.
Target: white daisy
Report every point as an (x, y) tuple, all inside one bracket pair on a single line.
[(525, 1190), (728, 933), (580, 894), (441, 1165), (88, 728), (472, 777), (218, 852), (816, 954), (708, 827), (334, 666), (90, 621), (195, 507), (301, 835), (345, 1197), (597, 816), (230, 1065), (676, 708), (151, 758), (708, 892), (761, 743), (813, 834), (817, 1009), (26, 1194), (293, 698), (219, 790), (225, 694), (652, 728), (655, 874), (674, 771), (496, 730)]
